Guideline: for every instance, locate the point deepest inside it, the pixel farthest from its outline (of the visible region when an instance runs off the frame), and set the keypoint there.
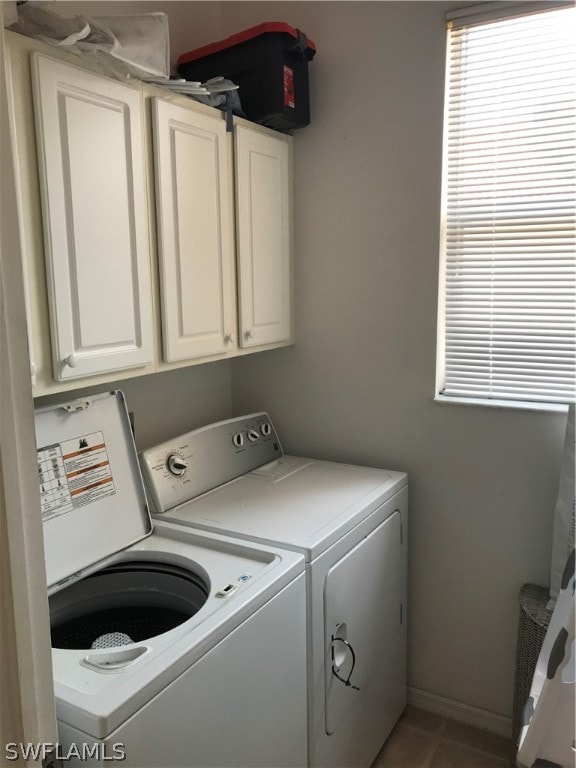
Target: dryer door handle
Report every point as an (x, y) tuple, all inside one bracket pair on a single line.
[(336, 670)]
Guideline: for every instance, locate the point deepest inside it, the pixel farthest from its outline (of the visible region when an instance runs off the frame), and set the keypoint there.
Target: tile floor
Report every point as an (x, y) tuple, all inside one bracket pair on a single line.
[(423, 740)]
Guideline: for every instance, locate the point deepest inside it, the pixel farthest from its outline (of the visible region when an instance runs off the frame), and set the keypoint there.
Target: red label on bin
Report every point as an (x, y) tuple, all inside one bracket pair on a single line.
[(288, 87)]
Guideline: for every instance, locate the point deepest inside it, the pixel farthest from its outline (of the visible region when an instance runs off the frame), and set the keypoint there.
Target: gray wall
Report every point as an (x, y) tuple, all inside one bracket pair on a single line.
[(170, 403), (359, 384)]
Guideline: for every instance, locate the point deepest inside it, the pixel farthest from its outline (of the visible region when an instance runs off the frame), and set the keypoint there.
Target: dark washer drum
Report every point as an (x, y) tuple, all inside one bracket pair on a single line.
[(127, 602)]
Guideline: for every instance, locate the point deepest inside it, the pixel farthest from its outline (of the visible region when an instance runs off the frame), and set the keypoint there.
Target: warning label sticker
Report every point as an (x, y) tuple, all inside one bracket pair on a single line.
[(73, 474), (288, 87)]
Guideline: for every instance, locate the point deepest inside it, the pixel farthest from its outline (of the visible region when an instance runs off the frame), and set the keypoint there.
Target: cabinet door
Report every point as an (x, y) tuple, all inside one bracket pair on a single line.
[(264, 236), (92, 174), (195, 232)]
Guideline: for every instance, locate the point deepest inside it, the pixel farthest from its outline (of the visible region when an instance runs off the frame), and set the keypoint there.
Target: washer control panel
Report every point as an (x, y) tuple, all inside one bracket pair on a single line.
[(198, 461)]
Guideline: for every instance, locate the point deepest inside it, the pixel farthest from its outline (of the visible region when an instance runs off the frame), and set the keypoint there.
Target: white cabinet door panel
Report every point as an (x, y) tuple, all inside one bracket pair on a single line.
[(195, 232), (263, 192), (92, 174)]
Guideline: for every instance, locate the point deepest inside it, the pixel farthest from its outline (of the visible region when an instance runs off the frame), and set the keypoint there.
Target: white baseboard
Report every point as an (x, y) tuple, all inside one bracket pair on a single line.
[(463, 713)]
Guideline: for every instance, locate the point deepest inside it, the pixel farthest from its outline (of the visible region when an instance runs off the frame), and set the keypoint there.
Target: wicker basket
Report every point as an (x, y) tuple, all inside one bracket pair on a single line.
[(532, 626)]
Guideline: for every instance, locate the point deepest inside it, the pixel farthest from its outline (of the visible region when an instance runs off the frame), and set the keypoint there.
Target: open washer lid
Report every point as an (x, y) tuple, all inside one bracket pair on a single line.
[(92, 496)]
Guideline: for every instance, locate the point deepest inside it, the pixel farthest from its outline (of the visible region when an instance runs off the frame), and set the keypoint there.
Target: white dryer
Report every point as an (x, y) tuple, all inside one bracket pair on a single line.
[(350, 523), (169, 645)]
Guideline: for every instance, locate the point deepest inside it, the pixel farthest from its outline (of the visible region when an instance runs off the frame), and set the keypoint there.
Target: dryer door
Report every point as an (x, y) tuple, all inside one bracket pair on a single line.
[(363, 612)]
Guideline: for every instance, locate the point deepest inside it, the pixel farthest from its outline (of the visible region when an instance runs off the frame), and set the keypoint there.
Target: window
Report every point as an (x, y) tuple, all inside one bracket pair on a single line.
[(507, 313)]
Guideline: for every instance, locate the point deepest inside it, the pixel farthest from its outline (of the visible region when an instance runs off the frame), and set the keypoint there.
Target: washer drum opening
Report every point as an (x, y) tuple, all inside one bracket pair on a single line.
[(126, 602)]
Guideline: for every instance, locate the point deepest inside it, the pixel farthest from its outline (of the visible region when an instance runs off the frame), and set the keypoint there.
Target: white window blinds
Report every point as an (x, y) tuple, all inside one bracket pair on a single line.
[(507, 326)]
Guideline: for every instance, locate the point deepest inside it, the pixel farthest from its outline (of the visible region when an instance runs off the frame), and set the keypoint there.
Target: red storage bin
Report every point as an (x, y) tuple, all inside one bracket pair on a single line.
[(270, 64)]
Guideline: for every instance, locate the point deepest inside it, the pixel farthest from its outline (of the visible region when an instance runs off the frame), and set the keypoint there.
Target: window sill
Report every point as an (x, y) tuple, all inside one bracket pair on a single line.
[(514, 405)]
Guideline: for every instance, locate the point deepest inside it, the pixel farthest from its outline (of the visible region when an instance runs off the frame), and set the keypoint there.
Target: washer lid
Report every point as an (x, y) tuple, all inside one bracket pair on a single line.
[(92, 496)]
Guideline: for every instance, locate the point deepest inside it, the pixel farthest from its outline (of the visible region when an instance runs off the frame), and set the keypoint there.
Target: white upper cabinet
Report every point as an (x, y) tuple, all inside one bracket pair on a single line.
[(195, 221), (96, 229), (153, 239), (264, 236)]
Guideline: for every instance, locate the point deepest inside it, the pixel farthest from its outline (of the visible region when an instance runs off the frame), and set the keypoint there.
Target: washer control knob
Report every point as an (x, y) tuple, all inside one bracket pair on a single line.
[(238, 439), (176, 465), (253, 435), (265, 429)]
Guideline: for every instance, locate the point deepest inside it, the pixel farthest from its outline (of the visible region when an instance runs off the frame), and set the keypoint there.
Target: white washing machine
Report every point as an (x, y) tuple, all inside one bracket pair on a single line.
[(350, 523), (171, 647)]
